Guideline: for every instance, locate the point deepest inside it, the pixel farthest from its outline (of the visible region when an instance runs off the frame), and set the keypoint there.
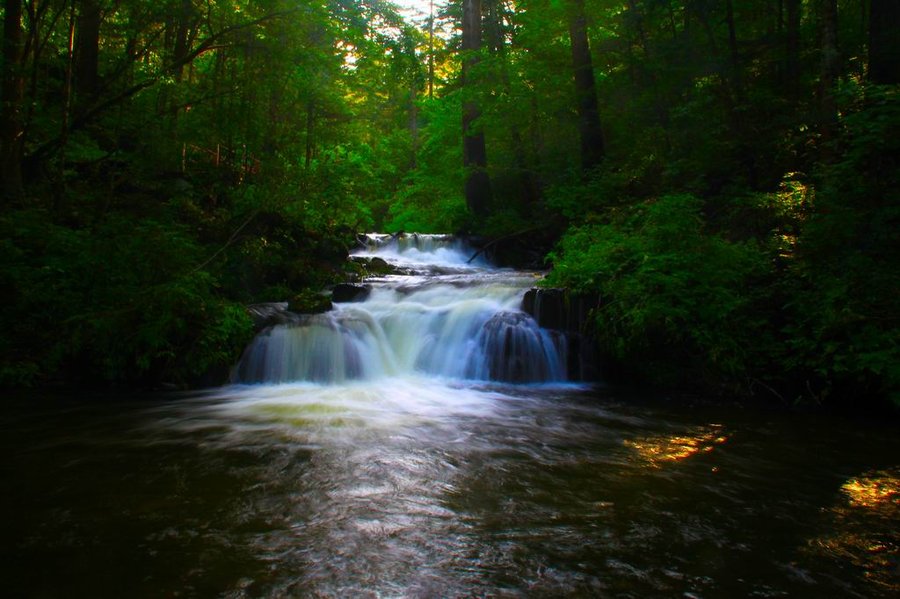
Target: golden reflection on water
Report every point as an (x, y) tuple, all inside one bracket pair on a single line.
[(871, 491), (658, 451), (864, 525)]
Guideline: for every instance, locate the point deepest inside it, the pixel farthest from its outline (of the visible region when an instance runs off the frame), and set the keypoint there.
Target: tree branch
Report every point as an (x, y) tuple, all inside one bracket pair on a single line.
[(45, 150)]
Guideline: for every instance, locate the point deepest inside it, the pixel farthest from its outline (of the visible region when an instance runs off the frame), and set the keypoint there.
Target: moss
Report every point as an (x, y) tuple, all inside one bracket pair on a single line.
[(310, 302)]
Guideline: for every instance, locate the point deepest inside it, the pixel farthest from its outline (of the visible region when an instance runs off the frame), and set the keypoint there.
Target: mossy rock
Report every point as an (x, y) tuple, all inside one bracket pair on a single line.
[(354, 271), (374, 266), (310, 302)]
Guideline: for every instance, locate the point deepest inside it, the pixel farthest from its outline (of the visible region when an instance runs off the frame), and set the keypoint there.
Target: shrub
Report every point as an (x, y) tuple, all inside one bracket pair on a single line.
[(676, 302)]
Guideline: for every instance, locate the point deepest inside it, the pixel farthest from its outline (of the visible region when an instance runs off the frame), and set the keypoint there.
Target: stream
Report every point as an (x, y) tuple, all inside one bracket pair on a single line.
[(425, 442)]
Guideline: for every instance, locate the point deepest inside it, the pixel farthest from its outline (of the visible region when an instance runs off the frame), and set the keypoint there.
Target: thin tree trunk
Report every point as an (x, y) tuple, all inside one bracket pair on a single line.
[(884, 42), (414, 123), (672, 26), (590, 132), (478, 183), (497, 44), (736, 79), (828, 23), (34, 47), (792, 47), (310, 124), (87, 49), (11, 126), (67, 96), (431, 50)]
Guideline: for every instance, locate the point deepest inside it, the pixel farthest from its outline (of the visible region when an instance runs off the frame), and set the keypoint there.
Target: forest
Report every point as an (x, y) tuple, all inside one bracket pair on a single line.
[(721, 174)]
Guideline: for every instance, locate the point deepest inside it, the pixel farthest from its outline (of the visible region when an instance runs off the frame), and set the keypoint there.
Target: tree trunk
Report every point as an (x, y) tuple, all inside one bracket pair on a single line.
[(737, 84), (478, 183), (884, 42), (828, 24), (87, 49), (182, 43), (431, 50), (792, 47), (414, 123), (310, 141), (67, 96), (497, 44), (590, 133), (11, 126)]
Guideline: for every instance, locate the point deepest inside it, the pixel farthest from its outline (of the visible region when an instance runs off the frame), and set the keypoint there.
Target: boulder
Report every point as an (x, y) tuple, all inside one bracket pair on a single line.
[(269, 314), (558, 309), (561, 310), (374, 265), (346, 292)]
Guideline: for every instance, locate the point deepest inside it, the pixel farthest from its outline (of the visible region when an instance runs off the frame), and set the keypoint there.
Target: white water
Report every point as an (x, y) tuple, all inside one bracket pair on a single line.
[(444, 318)]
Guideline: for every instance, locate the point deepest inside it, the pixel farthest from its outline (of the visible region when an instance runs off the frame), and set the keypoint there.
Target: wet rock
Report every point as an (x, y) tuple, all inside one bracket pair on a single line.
[(310, 302), (269, 314), (560, 310), (378, 266), (346, 292), (354, 271), (375, 266), (548, 307), (516, 350)]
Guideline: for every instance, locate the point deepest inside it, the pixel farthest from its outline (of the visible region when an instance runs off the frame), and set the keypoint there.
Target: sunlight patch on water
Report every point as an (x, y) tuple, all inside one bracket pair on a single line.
[(659, 451), (873, 490), (864, 522)]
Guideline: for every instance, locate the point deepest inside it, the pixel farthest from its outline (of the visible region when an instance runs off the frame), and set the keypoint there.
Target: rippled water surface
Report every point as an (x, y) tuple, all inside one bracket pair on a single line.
[(425, 488)]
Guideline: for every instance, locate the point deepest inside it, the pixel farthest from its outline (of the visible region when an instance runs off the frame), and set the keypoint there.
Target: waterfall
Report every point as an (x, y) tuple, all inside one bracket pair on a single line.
[(445, 318)]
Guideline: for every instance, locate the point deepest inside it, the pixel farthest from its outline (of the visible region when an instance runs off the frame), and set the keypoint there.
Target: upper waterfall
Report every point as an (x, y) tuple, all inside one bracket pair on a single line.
[(446, 317)]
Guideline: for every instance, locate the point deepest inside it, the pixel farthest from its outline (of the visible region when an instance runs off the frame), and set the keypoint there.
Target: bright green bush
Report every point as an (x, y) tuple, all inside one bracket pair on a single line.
[(676, 301)]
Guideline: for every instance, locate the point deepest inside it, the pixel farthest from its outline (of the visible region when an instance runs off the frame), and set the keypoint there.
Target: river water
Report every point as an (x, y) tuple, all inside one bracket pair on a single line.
[(407, 472)]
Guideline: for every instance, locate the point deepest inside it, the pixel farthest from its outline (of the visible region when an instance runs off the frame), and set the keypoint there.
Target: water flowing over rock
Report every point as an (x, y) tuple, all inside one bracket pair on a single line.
[(270, 314), (513, 348), (569, 313), (444, 318)]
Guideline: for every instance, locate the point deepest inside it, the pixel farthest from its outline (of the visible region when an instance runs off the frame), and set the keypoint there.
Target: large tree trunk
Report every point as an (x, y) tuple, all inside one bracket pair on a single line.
[(87, 49), (182, 41), (884, 42), (589, 130), (11, 126), (478, 183)]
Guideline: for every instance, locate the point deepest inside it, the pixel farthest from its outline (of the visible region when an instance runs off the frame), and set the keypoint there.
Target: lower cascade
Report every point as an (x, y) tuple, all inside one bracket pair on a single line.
[(448, 316)]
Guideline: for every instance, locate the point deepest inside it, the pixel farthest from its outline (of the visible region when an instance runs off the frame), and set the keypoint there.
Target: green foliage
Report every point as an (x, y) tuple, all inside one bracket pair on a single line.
[(119, 302), (675, 300), (847, 302), (429, 199)]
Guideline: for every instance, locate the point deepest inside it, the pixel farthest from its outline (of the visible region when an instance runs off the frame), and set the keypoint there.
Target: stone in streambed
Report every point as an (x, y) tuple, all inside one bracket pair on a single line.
[(346, 292)]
